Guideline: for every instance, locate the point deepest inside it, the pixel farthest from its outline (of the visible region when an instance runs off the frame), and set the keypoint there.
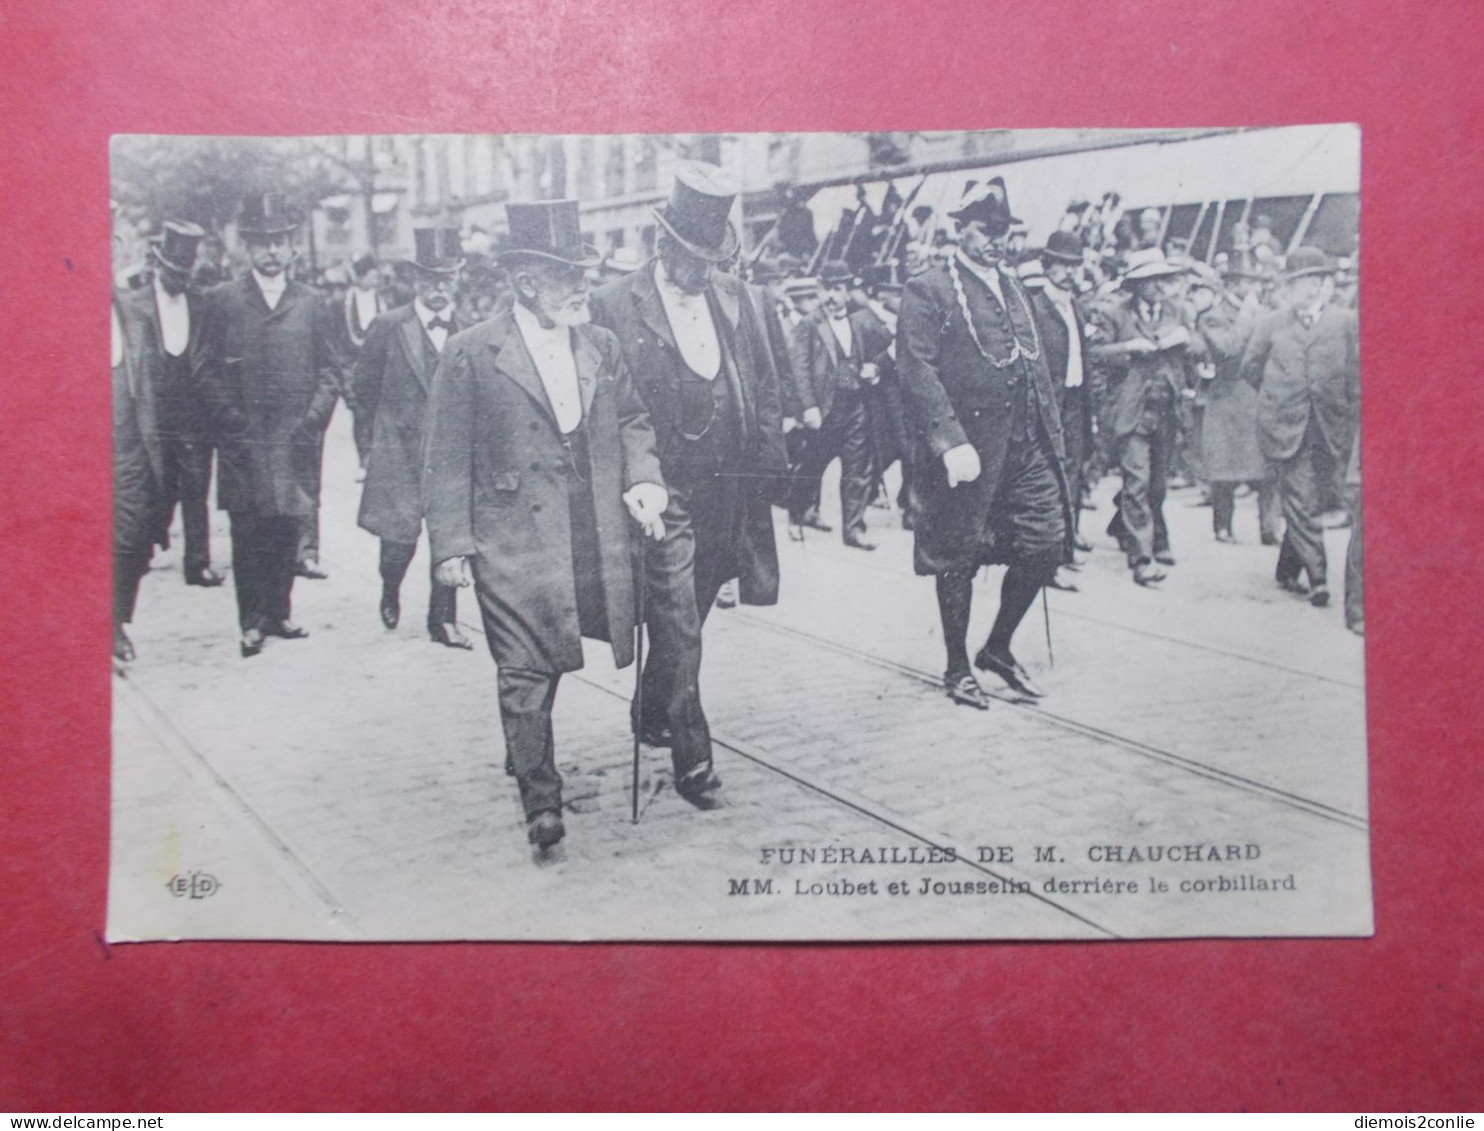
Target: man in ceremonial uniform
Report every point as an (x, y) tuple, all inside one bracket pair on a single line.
[(162, 324), (972, 363), (1305, 363), (538, 457), (390, 388), (268, 379), (693, 339), (831, 374), (1148, 346)]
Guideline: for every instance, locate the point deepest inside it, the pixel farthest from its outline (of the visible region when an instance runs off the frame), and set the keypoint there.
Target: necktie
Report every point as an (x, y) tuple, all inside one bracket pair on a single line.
[(440, 324)]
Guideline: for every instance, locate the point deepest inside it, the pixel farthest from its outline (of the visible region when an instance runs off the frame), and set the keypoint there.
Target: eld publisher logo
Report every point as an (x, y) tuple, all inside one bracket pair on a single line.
[(194, 885)]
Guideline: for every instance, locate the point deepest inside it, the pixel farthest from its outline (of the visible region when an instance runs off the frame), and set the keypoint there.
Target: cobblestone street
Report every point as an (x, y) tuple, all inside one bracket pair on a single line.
[(350, 786)]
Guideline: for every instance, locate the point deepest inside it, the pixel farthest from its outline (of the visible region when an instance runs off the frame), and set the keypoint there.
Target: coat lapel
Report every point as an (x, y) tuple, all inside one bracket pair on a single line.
[(413, 349), (589, 364), (515, 362), (831, 343), (651, 309)]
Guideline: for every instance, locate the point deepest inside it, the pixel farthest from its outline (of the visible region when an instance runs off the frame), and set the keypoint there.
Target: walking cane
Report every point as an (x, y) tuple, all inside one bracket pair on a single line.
[(639, 667), (1046, 612)]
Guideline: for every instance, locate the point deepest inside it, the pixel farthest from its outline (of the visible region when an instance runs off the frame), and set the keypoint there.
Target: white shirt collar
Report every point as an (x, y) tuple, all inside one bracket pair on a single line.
[(691, 323), (271, 286), (550, 348), (426, 314)]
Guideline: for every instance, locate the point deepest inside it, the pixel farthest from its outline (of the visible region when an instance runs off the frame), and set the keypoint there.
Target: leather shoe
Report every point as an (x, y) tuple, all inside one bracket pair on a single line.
[(856, 542), (811, 520), (1147, 573), (1009, 670), (310, 570), (391, 608), (545, 829), (204, 576), (251, 643), (286, 629), (795, 533), (699, 787), (450, 636), (123, 647), (1064, 584), (1294, 585), (1319, 597), (965, 690), (1225, 536), (1164, 557)]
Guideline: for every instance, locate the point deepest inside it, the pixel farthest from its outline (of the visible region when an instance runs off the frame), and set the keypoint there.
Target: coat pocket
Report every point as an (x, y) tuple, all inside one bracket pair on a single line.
[(505, 481)]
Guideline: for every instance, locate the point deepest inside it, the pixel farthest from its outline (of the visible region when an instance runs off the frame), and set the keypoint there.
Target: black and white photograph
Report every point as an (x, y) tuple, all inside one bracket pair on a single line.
[(756, 536)]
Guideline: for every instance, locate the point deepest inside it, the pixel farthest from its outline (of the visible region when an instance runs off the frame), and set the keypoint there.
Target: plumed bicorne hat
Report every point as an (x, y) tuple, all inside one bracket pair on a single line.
[(985, 201)]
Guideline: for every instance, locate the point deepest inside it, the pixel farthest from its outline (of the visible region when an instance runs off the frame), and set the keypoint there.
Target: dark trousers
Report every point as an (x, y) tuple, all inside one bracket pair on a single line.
[(442, 599), (1354, 585), (1075, 434), (1224, 505), (129, 568), (263, 561), (1303, 480), (306, 537), (525, 716), (188, 482), (1144, 459), (845, 433)]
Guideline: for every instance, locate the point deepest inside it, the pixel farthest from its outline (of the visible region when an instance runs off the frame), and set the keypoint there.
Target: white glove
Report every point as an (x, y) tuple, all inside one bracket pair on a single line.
[(962, 464), (789, 424), (812, 420), (452, 574), (870, 373), (647, 503)]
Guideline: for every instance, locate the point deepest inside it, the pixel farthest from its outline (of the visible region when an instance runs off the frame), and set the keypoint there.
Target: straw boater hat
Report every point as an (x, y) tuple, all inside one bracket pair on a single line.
[(436, 251), (1148, 263), (1308, 260), (266, 214), (547, 229), (798, 286), (176, 245), (698, 213)]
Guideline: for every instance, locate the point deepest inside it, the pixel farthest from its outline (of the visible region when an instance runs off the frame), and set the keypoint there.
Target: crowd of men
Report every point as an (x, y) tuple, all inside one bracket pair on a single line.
[(597, 444)]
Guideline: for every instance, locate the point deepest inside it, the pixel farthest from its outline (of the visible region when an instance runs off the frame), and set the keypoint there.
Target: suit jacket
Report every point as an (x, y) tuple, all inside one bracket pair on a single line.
[(820, 367), (495, 483), (1305, 374), (778, 338), (632, 309), (1141, 385), (268, 381), (389, 386)]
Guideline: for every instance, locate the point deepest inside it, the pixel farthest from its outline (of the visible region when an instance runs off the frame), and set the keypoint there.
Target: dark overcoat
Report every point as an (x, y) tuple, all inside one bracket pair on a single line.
[(1302, 374), (631, 307), (268, 381), (138, 450), (1229, 446), (956, 396), (389, 386), (495, 485), (1074, 406), (820, 368)]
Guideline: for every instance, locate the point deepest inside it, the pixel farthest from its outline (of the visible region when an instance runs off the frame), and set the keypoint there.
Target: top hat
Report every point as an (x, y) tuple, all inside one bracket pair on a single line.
[(436, 250), (1308, 260), (266, 214), (698, 213), (1148, 263), (176, 245), (834, 272), (547, 229), (1064, 247), (877, 276), (986, 201), (361, 265)]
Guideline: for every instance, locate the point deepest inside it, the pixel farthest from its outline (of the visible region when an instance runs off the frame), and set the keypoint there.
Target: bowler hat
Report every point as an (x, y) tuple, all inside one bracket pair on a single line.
[(985, 201), (266, 214), (1148, 263), (834, 272), (176, 246), (1308, 260), (698, 213), (547, 229), (1064, 247), (363, 264), (436, 250)]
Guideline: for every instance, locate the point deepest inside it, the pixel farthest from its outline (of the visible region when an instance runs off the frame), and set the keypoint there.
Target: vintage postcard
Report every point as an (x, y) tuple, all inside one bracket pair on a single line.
[(870, 536)]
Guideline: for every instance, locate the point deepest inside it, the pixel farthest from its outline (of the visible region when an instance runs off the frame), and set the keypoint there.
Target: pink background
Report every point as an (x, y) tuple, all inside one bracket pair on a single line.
[(1389, 1023)]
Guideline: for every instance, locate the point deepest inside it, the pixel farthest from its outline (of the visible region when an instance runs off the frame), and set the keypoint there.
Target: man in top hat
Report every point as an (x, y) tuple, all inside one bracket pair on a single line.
[(269, 378), (831, 372), (390, 386), (538, 460), (1064, 330), (692, 337), (972, 361), (162, 326), (1305, 363), (1146, 343), (356, 310)]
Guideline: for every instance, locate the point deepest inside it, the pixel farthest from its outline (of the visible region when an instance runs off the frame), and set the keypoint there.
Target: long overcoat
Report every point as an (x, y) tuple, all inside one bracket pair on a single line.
[(495, 486), (389, 387), (268, 379), (1229, 430), (138, 450), (631, 307), (957, 396), (1302, 374)]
